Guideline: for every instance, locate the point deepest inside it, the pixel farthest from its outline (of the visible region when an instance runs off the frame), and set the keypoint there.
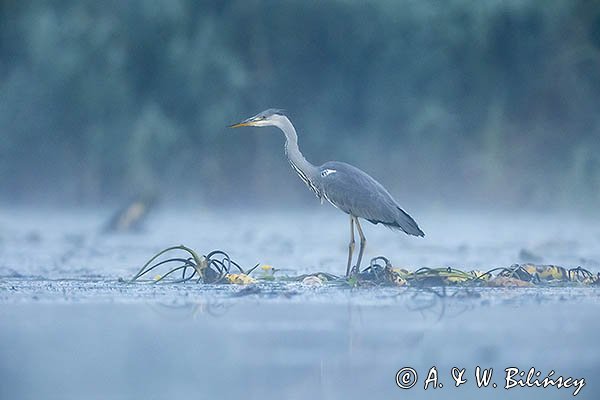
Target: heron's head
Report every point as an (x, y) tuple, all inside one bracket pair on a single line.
[(270, 117)]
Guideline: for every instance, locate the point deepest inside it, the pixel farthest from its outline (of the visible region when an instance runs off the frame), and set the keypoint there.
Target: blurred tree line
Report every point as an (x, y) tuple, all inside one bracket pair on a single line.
[(447, 102)]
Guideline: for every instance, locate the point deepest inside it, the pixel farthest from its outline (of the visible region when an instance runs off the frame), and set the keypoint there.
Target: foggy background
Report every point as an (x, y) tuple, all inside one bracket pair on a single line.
[(489, 104)]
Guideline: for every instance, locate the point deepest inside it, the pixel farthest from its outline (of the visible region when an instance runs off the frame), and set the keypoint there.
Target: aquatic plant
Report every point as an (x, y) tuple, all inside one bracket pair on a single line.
[(217, 267)]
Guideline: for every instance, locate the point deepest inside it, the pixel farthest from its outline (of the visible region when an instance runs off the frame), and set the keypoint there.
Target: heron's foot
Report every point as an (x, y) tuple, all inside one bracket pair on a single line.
[(354, 271)]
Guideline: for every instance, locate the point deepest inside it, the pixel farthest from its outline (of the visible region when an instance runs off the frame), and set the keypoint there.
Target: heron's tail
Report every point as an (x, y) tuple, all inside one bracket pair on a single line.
[(403, 222), (408, 224)]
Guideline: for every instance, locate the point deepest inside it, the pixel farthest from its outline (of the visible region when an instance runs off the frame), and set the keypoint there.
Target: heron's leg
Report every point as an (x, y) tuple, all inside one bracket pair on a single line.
[(363, 243), (350, 246)]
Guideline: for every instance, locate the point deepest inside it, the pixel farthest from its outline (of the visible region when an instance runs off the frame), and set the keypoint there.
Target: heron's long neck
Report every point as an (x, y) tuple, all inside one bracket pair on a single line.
[(303, 168)]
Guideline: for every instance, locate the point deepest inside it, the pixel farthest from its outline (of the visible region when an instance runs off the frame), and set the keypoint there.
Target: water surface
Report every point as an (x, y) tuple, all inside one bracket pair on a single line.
[(70, 329)]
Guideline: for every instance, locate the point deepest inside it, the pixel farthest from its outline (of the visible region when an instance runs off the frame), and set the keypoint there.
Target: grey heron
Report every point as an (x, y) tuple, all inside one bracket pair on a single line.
[(343, 185)]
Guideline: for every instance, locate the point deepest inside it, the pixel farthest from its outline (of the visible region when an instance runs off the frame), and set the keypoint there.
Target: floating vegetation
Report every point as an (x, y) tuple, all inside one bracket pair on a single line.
[(217, 267)]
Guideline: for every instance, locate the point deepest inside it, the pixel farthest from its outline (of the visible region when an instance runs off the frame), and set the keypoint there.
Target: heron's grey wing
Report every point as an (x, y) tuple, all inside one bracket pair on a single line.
[(356, 193)]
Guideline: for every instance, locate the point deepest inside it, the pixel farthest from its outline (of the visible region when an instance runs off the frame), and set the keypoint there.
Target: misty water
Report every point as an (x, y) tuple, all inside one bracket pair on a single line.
[(72, 329)]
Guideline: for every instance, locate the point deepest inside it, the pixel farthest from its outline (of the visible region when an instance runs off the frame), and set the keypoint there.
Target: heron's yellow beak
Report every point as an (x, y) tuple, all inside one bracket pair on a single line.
[(245, 123)]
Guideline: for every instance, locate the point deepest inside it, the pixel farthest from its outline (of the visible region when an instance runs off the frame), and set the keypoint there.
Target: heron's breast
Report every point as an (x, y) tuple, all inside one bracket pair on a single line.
[(306, 180)]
